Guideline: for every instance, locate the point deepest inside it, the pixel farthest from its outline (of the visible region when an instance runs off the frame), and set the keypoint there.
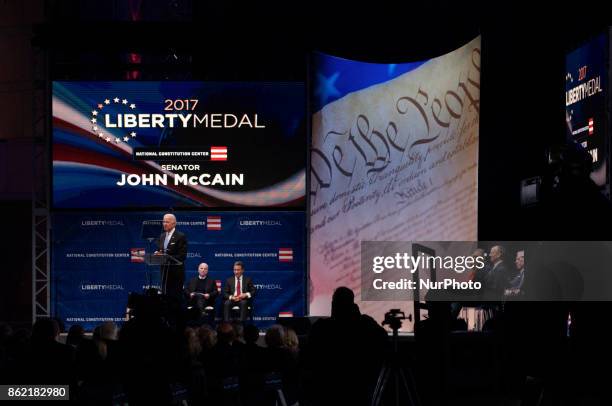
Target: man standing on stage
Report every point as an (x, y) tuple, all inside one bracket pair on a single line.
[(201, 289), (239, 291), (498, 277), (516, 283), (174, 244)]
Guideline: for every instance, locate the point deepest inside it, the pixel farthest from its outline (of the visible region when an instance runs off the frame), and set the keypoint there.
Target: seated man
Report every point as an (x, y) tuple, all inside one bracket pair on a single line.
[(201, 289), (238, 291)]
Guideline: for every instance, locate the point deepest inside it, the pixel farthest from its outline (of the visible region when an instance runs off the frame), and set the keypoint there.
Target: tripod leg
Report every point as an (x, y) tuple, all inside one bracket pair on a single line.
[(380, 385), (280, 398), (413, 395), (381, 376), (396, 377)]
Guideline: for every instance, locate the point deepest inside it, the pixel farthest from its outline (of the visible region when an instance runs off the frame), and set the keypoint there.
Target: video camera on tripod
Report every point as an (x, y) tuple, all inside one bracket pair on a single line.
[(391, 368), (394, 317)]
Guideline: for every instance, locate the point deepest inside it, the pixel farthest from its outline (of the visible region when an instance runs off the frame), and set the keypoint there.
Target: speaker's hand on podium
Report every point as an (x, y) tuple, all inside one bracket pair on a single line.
[(157, 253)]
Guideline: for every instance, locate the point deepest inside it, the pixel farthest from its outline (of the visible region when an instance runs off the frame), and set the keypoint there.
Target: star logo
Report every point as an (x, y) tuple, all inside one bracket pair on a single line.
[(97, 128)]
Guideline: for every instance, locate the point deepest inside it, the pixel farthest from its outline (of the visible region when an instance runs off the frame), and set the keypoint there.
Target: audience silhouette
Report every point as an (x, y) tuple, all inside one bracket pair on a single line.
[(534, 355), (345, 353)]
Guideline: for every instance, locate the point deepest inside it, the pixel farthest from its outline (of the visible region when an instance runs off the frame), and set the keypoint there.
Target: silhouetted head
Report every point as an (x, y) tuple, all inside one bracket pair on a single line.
[(75, 334), (275, 336), (6, 332), (226, 333), (208, 336), (251, 334), (238, 330), (292, 342), (478, 252), (108, 331), (192, 342), (45, 330), (343, 302)]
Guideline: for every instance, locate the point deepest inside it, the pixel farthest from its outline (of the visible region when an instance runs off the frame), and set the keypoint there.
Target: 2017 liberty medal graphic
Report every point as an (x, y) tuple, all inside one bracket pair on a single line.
[(100, 128), (102, 122), (179, 144)]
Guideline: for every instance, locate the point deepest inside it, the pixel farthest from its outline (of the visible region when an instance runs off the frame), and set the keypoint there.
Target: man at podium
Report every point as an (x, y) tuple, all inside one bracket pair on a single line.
[(172, 243)]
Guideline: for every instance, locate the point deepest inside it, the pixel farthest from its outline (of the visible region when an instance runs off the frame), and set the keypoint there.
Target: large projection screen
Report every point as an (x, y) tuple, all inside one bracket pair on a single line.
[(585, 104), (124, 145), (393, 158)]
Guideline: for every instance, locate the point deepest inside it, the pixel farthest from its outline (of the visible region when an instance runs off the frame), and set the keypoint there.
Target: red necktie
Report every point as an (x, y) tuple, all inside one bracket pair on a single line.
[(238, 292)]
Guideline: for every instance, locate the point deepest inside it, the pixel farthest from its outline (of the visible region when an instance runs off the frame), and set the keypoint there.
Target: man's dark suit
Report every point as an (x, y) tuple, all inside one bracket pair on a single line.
[(246, 287), (497, 281), (173, 276), (199, 300)]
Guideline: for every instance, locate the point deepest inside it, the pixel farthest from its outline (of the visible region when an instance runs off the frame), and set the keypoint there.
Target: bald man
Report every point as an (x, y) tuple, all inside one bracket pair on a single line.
[(202, 290), (174, 244)]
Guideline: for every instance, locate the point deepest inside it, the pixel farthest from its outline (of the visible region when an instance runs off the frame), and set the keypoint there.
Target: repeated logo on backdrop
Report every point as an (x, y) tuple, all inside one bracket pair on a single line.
[(98, 263)]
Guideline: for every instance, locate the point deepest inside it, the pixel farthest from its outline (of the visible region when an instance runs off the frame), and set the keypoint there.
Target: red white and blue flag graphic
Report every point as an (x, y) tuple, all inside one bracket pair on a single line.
[(285, 254), (218, 153), (213, 223)]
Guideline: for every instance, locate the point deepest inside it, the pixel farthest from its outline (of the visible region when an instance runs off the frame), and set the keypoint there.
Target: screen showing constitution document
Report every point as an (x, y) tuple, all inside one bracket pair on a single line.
[(394, 158)]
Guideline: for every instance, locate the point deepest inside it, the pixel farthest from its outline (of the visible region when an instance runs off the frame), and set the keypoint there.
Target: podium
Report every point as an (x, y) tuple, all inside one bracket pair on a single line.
[(150, 231), (161, 261)]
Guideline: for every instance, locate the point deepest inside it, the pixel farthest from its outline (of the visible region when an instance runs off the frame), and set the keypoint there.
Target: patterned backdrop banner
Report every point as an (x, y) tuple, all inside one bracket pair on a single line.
[(98, 259)]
